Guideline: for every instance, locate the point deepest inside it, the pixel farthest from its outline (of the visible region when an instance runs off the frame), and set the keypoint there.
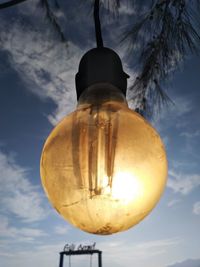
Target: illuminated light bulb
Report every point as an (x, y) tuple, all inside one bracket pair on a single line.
[(103, 167)]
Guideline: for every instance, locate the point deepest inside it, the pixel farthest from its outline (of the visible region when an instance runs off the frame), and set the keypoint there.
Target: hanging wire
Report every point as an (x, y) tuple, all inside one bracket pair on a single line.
[(99, 39)]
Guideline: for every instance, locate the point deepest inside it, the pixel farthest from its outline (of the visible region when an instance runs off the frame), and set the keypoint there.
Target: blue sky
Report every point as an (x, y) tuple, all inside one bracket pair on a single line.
[(37, 90)]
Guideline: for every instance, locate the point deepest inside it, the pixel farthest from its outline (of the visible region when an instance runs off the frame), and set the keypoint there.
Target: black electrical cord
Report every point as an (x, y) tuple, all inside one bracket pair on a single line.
[(11, 3), (99, 39)]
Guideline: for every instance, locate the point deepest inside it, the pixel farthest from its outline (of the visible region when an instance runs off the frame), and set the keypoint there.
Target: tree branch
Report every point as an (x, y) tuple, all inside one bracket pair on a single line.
[(163, 37), (53, 20)]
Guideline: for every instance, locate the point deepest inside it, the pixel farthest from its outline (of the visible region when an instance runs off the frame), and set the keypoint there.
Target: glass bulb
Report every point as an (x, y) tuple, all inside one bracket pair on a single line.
[(103, 167)]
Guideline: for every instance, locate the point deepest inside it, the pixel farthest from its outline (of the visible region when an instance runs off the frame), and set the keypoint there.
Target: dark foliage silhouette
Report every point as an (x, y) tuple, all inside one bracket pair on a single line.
[(162, 35)]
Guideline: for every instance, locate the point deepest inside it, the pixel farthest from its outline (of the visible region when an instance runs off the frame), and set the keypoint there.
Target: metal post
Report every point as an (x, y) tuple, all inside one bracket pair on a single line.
[(61, 259), (100, 259)]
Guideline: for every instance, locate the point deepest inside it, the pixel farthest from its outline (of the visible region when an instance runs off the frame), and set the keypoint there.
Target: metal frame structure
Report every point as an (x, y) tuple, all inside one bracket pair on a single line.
[(81, 252)]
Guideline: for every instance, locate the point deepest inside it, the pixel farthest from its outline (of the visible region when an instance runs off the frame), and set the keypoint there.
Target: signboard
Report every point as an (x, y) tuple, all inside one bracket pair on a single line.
[(73, 247)]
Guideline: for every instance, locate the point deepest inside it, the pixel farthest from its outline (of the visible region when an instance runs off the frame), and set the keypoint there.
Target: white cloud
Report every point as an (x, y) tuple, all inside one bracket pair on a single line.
[(61, 230), (7, 255), (19, 234), (191, 134), (187, 263), (173, 202), (18, 195), (183, 183), (25, 204), (115, 253), (196, 208), (40, 255), (159, 243), (173, 114), (46, 65), (181, 106), (126, 8), (126, 252)]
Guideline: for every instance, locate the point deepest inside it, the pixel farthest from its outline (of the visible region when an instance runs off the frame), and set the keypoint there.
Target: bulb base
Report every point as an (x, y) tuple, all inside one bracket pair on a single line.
[(100, 65), (99, 94)]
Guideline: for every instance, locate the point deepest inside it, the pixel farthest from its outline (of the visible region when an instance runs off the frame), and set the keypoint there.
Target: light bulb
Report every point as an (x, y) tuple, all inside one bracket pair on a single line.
[(103, 167)]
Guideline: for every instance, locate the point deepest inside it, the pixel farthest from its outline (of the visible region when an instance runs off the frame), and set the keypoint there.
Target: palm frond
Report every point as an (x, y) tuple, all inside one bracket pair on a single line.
[(162, 36), (52, 18)]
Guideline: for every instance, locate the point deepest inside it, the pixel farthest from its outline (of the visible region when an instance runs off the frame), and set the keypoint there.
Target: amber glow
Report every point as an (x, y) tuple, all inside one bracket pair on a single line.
[(103, 167), (122, 183)]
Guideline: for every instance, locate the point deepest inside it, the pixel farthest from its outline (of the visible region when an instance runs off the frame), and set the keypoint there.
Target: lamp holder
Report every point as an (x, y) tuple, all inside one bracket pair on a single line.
[(100, 65)]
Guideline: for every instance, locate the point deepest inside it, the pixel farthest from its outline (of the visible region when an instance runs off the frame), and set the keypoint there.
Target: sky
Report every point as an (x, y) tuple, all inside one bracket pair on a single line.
[(36, 90)]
